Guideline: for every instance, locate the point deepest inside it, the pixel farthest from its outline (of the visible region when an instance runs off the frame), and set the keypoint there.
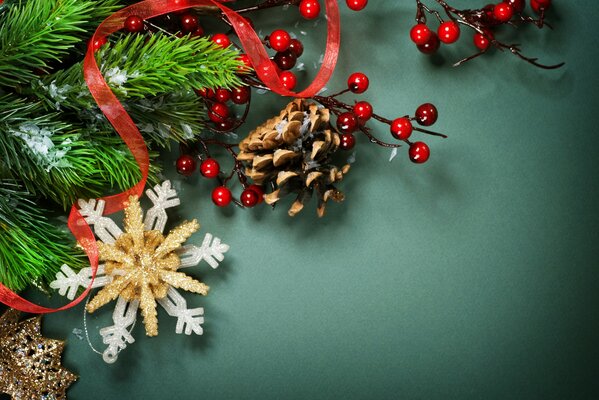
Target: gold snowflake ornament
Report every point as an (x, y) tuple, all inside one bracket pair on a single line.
[(30, 365), (144, 264), (141, 268)]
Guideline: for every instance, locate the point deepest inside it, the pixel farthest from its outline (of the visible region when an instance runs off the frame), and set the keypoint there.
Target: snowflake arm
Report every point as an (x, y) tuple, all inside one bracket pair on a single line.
[(163, 197), (67, 282), (104, 228), (211, 251), (181, 281), (118, 335), (176, 237), (189, 320)]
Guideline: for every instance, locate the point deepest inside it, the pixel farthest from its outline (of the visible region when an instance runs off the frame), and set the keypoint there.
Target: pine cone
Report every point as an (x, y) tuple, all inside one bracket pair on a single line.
[(293, 152)]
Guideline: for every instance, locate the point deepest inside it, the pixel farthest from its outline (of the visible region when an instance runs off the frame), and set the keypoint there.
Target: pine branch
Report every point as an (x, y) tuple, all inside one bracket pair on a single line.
[(31, 249), (63, 162), (158, 64), (138, 66), (169, 117), (34, 33)]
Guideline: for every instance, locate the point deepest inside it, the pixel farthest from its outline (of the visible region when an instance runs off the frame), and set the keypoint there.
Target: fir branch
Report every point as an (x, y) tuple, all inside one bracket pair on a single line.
[(164, 118), (64, 163), (158, 64), (34, 33), (31, 249), (138, 66)]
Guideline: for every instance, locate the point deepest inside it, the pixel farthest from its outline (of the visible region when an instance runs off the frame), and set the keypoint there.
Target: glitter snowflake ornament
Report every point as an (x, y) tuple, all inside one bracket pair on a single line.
[(141, 268)]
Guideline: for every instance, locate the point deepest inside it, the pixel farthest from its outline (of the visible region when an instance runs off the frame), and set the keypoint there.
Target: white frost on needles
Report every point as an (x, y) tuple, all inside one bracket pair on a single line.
[(40, 144), (116, 78), (57, 93)]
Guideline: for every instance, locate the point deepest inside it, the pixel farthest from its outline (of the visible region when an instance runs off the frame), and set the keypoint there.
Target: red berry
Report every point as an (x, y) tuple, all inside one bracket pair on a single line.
[(285, 60), (240, 95), (539, 6), (488, 17), (222, 95), (356, 5), (481, 41), (363, 110), (206, 93), (279, 40), (245, 59), (347, 122), (426, 114), (222, 40), (189, 23), (358, 82), (420, 34), (199, 31), (309, 8), (259, 191), (503, 12), (448, 32), (288, 79), (401, 128), (133, 23), (210, 168), (98, 43), (348, 141), (226, 125), (186, 164), (517, 5), (296, 47), (218, 112), (221, 196), (249, 198), (419, 152), (431, 46)]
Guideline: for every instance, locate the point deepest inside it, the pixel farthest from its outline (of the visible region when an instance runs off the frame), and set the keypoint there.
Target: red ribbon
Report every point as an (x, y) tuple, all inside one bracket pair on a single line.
[(126, 128)]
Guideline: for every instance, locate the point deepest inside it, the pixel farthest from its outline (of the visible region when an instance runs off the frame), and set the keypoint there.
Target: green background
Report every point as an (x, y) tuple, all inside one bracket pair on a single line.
[(473, 276)]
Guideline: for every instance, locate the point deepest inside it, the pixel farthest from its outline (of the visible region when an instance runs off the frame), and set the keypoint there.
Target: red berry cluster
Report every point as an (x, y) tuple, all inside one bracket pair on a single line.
[(220, 103), (310, 9), (482, 21), (210, 169), (352, 119), (288, 51)]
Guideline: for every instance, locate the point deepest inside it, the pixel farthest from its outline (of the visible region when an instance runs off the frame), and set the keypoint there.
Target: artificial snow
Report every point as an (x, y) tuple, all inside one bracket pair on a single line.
[(41, 146)]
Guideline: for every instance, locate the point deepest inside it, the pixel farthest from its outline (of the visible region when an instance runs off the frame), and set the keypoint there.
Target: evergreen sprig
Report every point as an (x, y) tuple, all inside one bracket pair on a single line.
[(60, 161), (32, 250), (141, 66), (164, 63), (35, 33)]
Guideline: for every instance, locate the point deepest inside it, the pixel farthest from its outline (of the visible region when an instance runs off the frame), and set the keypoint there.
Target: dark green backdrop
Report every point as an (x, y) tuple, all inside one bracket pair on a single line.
[(471, 277)]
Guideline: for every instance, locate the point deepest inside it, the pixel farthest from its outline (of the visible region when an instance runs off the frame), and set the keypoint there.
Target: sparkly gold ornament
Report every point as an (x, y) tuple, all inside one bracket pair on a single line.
[(144, 265), (30, 363)]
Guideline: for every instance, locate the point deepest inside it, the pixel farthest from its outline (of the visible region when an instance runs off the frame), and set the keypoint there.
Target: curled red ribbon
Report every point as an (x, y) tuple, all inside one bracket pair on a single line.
[(126, 128)]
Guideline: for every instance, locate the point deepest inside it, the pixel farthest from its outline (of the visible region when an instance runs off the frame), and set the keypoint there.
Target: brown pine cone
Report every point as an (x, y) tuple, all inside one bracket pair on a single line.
[(293, 152)]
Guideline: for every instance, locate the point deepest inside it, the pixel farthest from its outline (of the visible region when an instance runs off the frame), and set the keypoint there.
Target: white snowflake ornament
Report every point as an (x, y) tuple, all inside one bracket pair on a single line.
[(141, 268)]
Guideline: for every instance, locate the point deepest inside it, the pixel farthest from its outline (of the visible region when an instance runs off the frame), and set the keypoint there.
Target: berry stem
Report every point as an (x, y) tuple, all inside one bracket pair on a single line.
[(478, 20)]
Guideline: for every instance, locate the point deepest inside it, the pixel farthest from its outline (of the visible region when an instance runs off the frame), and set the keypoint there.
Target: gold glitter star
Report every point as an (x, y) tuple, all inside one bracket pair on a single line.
[(144, 265), (30, 363)]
